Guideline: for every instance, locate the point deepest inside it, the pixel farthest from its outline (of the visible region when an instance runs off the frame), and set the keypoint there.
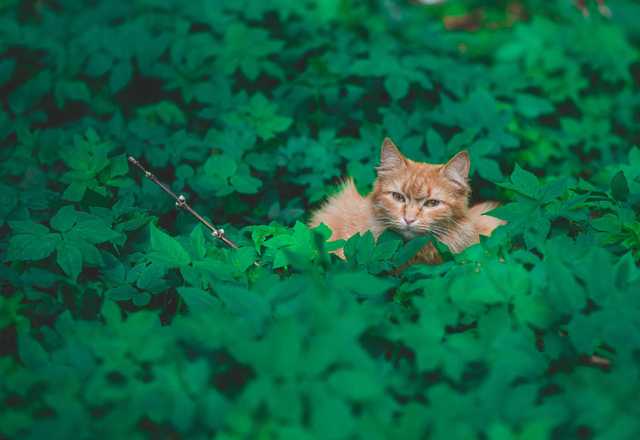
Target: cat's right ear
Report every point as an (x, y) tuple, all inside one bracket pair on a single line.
[(457, 169), (391, 158)]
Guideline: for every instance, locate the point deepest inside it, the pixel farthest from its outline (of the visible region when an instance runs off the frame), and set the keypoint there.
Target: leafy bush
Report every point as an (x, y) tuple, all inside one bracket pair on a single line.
[(119, 318)]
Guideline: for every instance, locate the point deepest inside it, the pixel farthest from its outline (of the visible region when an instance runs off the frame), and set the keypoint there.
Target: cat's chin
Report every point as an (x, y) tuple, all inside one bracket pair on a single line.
[(408, 233)]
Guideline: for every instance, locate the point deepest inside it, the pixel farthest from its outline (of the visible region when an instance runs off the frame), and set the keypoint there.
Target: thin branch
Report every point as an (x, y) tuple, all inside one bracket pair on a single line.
[(181, 202)]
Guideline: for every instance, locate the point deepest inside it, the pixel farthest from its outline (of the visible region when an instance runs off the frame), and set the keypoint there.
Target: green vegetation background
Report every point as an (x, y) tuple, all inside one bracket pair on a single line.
[(121, 318)]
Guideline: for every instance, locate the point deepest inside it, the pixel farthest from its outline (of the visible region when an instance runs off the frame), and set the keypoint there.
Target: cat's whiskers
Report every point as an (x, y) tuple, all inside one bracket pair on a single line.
[(458, 234), (438, 231), (392, 224)]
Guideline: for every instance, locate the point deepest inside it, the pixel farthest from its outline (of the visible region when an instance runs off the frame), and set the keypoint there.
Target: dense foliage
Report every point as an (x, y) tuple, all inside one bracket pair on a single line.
[(121, 318)]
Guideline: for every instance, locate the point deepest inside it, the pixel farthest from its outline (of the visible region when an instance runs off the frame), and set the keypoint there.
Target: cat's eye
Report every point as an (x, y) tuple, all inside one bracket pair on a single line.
[(398, 197), (431, 203)]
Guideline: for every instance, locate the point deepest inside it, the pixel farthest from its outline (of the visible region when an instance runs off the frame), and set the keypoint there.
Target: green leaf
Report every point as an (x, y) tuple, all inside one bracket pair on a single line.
[(120, 76), (357, 385), (141, 299), (533, 106), (151, 277), (93, 230), (166, 111), (536, 232), (75, 191), (7, 67), (30, 247), (489, 169), (362, 284), (196, 375), (198, 300), (218, 270), (245, 184), (410, 249), (198, 242), (619, 186), (166, 249), (111, 313), (121, 293), (388, 244), (532, 309), (397, 86), (247, 48), (607, 223), (69, 259), (64, 219), (623, 271), (365, 249), (262, 116), (28, 227), (8, 201), (221, 165), (32, 355), (119, 166), (330, 408), (73, 91), (554, 189), (243, 303), (98, 64), (524, 182), (585, 333), (564, 292), (436, 146), (31, 92), (243, 258)]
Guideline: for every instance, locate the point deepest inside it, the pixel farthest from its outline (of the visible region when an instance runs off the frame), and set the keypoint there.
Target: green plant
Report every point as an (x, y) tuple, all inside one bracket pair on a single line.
[(120, 317)]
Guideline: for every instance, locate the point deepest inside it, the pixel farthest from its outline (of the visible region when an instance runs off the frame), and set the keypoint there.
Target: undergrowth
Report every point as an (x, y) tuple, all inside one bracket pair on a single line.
[(121, 318)]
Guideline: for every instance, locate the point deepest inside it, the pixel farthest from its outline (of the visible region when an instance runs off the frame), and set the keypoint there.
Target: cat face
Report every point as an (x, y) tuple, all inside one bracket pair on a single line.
[(415, 198)]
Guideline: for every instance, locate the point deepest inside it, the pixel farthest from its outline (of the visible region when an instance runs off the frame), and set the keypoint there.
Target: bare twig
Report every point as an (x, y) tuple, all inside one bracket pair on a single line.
[(181, 202)]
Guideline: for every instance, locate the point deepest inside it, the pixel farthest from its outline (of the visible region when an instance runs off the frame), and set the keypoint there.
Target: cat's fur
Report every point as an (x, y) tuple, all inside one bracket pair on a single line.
[(404, 199)]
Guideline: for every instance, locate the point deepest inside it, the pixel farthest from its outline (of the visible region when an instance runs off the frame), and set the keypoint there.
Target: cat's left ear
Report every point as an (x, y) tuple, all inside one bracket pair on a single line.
[(390, 157), (457, 169)]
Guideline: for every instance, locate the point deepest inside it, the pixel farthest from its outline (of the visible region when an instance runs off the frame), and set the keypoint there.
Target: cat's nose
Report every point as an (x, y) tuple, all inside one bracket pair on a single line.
[(408, 221)]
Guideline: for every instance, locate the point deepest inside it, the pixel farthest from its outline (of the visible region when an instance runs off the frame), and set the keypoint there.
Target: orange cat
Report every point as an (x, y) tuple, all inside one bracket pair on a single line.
[(412, 198)]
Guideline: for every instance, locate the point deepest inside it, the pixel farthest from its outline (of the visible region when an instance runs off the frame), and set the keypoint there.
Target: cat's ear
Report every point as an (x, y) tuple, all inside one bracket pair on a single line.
[(457, 169), (390, 157)]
